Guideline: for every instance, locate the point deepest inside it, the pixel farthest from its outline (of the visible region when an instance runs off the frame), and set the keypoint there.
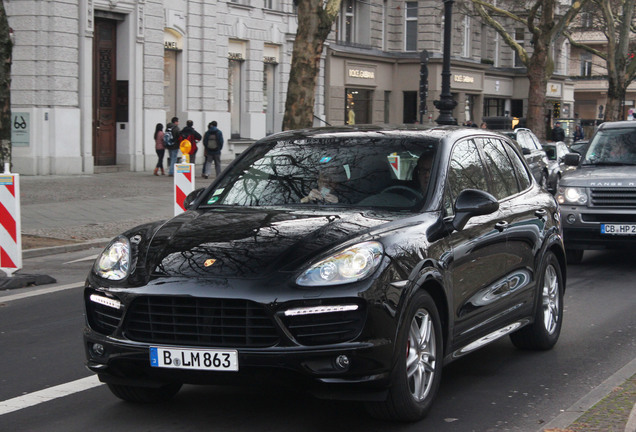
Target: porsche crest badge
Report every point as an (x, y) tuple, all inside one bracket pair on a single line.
[(209, 262)]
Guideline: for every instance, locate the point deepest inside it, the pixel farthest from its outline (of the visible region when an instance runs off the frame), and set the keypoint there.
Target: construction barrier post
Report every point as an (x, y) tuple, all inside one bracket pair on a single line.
[(183, 185), (10, 221)]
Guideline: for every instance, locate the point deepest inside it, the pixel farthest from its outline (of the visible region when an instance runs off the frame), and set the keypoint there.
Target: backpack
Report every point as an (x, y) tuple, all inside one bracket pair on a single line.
[(210, 141), (168, 140)]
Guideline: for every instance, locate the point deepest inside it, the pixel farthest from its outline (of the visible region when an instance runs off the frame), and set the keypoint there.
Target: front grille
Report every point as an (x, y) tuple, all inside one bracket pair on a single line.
[(325, 328), (199, 322), (613, 197), (103, 319)]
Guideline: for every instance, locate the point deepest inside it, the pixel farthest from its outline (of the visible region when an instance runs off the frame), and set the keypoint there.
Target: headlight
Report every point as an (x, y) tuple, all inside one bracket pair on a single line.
[(114, 262), (346, 266), (572, 195)]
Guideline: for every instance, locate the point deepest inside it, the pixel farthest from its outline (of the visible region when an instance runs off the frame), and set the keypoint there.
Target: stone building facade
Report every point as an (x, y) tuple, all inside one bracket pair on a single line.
[(92, 78)]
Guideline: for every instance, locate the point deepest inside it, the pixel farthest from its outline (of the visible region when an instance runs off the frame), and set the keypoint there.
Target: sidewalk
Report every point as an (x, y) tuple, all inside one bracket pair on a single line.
[(86, 211)]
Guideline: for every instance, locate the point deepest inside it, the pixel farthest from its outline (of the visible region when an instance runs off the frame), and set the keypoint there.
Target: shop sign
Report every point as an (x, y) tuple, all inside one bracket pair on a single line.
[(360, 74), (464, 79), (553, 90)]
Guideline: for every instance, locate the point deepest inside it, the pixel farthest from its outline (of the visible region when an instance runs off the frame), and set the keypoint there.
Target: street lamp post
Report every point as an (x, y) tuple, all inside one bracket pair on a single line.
[(446, 104)]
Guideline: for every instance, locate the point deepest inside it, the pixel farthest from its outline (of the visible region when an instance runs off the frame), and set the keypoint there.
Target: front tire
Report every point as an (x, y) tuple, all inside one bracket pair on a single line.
[(544, 332), (418, 371), (144, 394)]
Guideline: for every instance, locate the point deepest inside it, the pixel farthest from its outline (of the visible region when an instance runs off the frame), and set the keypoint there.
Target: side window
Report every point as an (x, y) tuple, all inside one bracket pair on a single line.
[(522, 139), (466, 170), (523, 177), (502, 173)]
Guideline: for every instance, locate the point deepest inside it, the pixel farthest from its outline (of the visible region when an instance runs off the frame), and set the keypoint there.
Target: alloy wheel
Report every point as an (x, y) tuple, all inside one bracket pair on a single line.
[(420, 355), (550, 299)]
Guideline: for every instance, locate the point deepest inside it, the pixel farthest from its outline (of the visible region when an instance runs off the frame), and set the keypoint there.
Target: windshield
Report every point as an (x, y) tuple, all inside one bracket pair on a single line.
[(612, 147), (380, 172)]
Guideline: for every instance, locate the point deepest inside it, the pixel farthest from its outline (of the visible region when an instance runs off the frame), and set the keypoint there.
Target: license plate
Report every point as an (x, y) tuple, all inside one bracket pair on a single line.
[(201, 359), (618, 229)]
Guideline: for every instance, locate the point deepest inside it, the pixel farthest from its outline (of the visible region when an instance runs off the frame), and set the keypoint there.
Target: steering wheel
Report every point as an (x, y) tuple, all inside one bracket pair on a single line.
[(410, 191)]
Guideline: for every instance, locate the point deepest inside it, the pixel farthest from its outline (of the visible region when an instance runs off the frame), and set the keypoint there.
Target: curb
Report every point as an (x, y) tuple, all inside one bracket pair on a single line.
[(570, 415), (53, 250)]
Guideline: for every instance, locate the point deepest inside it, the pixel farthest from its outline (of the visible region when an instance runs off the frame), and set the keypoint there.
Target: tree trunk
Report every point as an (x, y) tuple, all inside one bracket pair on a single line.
[(615, 96), (314, 25), (6, 47), (535, 119)]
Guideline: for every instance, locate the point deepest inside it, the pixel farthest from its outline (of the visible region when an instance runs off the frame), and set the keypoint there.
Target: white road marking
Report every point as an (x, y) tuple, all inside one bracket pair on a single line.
[(38, 397), (42, 291), (88, 258)]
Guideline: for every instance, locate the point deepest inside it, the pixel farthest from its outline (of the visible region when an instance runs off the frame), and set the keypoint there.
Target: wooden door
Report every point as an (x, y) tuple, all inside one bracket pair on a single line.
[(104, 92)]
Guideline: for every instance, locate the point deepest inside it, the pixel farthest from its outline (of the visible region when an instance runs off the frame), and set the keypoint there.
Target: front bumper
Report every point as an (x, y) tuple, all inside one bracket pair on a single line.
[(117, 342), (582, 227)]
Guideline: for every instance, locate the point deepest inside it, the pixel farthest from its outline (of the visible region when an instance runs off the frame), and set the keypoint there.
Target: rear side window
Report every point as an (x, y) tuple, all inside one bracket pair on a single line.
[(522, 175), (502, 172), (466, 169)]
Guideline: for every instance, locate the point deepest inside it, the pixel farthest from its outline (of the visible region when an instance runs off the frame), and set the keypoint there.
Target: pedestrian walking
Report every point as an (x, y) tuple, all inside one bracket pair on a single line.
[(170, 142), (188, 133), (558, 134), (160, 148), (213, 144)]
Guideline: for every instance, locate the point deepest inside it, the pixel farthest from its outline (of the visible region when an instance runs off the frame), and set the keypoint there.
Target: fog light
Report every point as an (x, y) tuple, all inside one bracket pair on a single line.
[(571, 218), (342, 362), (98, 349)]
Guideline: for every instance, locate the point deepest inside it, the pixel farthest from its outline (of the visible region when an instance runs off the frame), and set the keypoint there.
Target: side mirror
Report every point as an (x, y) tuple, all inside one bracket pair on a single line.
[(470, 203), (572, 159), (192, 196)]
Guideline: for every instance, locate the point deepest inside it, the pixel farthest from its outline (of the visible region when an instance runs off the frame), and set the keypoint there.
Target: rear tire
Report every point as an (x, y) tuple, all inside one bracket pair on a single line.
[(574, 256), (418, 371), (144, 394), (544, 333)]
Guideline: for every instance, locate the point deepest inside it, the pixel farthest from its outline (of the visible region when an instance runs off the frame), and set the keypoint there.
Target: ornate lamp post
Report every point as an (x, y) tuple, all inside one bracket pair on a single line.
[(446, 104)]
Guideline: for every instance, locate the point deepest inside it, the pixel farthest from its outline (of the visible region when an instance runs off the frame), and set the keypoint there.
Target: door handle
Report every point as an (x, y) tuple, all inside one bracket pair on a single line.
[(501, 225), (541, 213)]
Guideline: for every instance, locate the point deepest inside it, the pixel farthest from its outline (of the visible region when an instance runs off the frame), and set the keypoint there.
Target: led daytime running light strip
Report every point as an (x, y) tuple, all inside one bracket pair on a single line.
[(320, 310), (105, 301)]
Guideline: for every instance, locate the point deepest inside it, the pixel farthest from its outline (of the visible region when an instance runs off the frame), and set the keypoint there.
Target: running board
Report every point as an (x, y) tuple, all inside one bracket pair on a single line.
[(489, 338)]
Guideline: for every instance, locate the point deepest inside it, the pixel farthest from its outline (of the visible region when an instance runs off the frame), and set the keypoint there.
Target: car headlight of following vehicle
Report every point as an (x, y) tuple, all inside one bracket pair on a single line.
[(572, 195), (349, 265), (114, 262)]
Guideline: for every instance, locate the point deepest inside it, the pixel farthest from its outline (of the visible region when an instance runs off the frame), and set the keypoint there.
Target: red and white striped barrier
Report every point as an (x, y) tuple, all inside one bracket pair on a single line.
[(183, 185), (10, 225)]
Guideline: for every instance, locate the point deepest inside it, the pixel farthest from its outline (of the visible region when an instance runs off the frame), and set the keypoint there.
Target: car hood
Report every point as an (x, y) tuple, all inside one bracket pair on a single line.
[(246, 243), (601, 176)]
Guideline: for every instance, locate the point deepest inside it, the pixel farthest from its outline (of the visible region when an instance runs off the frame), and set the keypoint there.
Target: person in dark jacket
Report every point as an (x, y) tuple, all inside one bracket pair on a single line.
[(173, 127), (213, 144), (558, 134), (193, 136), (578, 133)]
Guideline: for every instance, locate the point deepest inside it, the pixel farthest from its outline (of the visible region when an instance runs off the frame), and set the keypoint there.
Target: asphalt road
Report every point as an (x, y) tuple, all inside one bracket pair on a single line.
[(497, 388)]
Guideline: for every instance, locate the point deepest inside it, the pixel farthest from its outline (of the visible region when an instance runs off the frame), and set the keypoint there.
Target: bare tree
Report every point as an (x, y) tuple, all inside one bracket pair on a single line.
[(6, 47), (614, 20), (315, 19), (540, 19)]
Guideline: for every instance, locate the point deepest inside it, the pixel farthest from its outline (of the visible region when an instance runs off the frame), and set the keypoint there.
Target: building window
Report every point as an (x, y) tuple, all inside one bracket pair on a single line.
[(586, 19), (409, 111), (170, 82), (494, 107), (384, 24), (586, 64), (268, 4), (269, 96), (410, 26), (346, 22), (467, 35), (519, 38), (358, 106), (387, 107), (234, 96)]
